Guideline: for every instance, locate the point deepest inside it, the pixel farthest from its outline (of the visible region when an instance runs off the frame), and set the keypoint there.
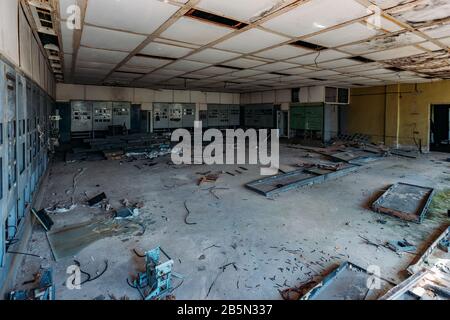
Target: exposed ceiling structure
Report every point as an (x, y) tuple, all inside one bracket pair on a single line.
[(255, 45)]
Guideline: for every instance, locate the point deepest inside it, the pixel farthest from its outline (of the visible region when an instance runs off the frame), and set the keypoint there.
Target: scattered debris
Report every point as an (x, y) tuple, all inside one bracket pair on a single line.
[(43, 218), (88, 275), (405, 201), (401, 246), (97, 199), (187, 214), (156, 282), (44, 291)]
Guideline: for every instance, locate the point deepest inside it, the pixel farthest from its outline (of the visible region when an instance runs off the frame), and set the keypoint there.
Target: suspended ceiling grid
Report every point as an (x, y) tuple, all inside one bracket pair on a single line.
[(154, 44)]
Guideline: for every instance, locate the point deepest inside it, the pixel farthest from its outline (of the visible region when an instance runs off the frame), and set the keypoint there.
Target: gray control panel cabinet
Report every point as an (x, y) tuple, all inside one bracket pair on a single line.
[(81, 116), (121, 114)]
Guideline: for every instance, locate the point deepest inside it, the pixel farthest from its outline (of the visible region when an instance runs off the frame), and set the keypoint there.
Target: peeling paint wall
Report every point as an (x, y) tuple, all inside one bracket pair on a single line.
[(397, 113)]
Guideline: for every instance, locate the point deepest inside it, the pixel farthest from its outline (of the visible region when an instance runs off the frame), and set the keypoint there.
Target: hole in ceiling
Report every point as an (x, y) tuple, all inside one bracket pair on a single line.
[(308, 45), (230, 67), (206, 16), (142, 55), (280, 74), (362, 59)]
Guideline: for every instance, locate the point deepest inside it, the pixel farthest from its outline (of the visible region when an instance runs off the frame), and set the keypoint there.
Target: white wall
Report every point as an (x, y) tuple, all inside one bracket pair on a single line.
[(67, 92), (19, 46)]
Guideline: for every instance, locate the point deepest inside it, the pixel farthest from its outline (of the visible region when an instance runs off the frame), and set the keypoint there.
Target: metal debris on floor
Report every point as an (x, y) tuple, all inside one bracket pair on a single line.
[(349, 282), (405, 201), (45, 289), (70, 240)]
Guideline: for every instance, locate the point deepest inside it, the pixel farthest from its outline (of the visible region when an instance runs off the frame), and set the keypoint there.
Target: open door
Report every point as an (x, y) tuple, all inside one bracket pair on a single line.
[(440, 128)]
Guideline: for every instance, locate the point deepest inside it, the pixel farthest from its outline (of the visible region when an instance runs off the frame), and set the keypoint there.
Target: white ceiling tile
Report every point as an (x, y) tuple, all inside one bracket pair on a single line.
[(246, 73), (244, 63), (212, 56), (67, 39), (125, 75), (275, 67), (95, 65), (386, 4), (316, 15), (188, 66), (394, 53), (135, 69), (108, 39), (338, 63), (141, 16), (165, 50), (321, 73), (98, 55), (195, 31), (319, 56), (297, 71), (242, 10), (251, 41), (147, 62), (360, 67), (437, 31), (214, 71), (383, 43), (351, 33), (283, 52), (430, 46)]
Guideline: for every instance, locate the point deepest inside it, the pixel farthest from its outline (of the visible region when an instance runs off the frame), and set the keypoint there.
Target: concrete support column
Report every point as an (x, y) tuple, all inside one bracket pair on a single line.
[(392, 115)]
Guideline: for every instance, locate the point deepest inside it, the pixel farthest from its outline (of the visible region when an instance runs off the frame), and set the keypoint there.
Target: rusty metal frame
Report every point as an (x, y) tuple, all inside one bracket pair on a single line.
[(417, 217)]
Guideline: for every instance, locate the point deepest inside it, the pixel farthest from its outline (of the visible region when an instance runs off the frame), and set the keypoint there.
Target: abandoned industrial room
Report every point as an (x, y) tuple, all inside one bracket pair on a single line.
[(225, 149)]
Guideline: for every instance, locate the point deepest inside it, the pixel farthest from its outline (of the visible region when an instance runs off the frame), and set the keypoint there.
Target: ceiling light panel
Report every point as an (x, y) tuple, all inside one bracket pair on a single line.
[(165, 50), (251, 41), (140, 16), (283, 52), (194, 31), (212, 56), (243, 10), (100, 38), (98, 55), (348, 34), (316, 15)]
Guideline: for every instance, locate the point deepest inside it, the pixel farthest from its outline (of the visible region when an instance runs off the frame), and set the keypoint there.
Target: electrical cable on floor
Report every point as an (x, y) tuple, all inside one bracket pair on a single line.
[(89, 278), (27, 254)]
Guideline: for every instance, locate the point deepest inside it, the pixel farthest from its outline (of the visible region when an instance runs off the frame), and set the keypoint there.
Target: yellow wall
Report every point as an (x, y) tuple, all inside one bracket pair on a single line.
[(396, 114)]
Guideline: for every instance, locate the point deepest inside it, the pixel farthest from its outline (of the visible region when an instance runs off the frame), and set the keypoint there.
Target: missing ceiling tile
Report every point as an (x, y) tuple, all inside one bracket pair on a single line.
[(362, 59), (142, 55), (308, 45), (210, 17)]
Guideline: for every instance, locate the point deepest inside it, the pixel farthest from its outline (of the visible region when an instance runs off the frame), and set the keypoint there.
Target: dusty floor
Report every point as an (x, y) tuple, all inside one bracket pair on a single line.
[(274, 243)]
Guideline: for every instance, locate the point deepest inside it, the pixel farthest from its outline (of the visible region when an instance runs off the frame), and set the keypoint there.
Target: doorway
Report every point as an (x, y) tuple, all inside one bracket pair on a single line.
[(440, 128)]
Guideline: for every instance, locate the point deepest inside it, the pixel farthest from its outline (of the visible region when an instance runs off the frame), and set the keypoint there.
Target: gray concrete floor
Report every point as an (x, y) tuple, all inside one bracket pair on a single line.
[(275, 243)]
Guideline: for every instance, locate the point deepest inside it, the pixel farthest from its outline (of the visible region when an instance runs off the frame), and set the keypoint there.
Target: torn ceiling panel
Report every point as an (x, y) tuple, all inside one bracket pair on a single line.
[(422, 12), (434, 64)]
